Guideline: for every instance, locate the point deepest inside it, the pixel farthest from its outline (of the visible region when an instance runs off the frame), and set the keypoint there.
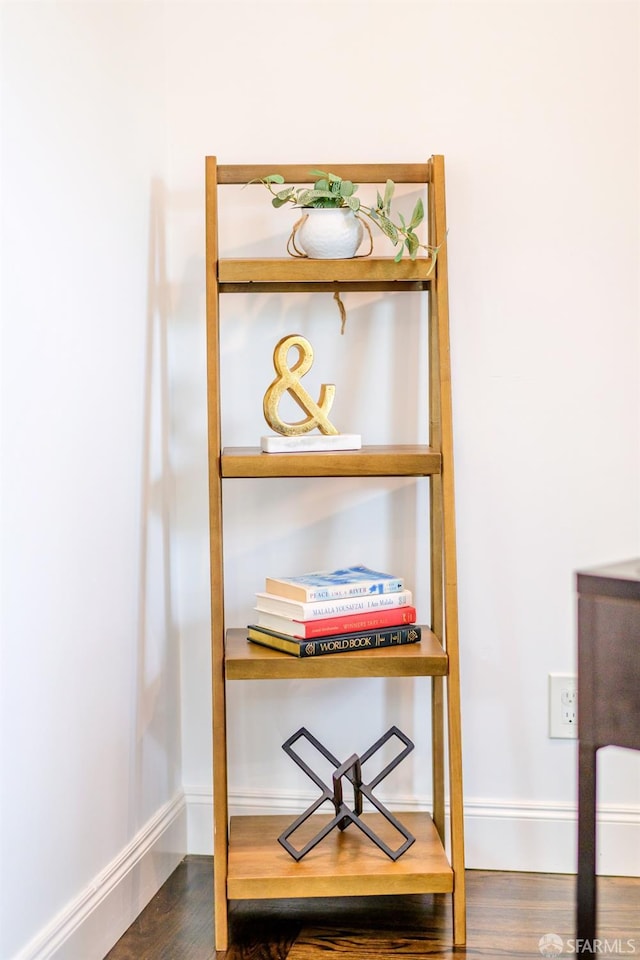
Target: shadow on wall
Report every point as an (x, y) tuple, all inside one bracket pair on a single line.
[(154, 775)]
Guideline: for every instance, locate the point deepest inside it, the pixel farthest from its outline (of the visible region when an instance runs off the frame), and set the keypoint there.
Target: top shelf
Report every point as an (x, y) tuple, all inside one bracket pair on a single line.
[(364, 273), (241, 173)]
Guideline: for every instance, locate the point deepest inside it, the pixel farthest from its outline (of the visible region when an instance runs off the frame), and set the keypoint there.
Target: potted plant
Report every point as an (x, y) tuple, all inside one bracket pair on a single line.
[(331, 226)]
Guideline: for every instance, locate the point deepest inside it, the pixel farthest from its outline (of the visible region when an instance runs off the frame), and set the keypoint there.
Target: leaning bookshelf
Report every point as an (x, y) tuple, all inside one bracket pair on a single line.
[(248, 861)]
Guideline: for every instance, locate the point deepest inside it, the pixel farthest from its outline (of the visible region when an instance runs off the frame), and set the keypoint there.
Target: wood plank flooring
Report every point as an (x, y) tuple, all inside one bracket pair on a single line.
[(507, 914)]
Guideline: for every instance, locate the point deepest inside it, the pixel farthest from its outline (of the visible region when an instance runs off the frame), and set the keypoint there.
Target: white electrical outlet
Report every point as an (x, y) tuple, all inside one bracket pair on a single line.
[(563, 706)]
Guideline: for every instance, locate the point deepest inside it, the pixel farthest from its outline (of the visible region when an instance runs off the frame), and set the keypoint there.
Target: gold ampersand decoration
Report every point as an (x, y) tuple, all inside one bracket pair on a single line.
[(288, 380)]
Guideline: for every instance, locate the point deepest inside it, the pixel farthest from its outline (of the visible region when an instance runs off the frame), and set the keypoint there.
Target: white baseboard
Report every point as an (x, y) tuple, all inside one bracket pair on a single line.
[(87, 928), (542, 838), (532, 837)]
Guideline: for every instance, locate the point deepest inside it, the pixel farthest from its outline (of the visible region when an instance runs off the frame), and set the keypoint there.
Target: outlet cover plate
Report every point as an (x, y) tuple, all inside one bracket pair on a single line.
[(563, 706)]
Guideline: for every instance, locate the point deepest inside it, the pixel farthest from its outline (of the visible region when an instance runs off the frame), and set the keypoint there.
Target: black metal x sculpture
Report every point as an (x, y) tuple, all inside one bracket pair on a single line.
[(352, 770)]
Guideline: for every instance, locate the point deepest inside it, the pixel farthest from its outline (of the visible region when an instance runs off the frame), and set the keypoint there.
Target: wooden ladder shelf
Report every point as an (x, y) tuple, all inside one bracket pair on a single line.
[(248, 861)]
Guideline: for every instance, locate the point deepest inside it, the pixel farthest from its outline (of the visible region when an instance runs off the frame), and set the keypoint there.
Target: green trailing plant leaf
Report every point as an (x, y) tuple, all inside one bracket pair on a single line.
[(388, 228), (413, 245), (306, 198), (418, 214)]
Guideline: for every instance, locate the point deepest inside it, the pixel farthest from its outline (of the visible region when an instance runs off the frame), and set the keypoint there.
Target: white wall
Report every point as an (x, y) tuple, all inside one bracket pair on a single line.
[(535, 106), (91, 788), (108, 110)]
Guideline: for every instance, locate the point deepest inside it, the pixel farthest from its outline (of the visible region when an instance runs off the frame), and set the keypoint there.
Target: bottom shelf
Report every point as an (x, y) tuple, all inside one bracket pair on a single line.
[(345, 863)]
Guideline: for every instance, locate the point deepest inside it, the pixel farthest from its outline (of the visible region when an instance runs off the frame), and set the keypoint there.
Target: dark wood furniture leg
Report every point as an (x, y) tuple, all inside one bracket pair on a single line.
[(586, 918), (608, 705)]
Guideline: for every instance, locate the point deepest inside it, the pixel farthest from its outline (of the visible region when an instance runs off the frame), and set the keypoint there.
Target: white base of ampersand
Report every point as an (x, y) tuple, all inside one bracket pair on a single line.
[(311, 444)]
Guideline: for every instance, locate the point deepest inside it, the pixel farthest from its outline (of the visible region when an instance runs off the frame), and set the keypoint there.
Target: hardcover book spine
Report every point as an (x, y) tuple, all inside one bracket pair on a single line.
[(349, 606), (376, 621), (351, 582), (394, 636), (338, 591), (311, 629)]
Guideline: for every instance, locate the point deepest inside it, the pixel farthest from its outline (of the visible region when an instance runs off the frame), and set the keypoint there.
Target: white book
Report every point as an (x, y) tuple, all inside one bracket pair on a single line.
[(346, 606)]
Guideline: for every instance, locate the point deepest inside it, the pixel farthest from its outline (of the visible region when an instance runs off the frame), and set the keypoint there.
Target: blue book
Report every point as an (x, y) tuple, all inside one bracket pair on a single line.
[(358, 581)]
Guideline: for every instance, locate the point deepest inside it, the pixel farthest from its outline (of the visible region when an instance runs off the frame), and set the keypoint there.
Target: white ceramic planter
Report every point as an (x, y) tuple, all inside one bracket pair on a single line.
[(329, 234)]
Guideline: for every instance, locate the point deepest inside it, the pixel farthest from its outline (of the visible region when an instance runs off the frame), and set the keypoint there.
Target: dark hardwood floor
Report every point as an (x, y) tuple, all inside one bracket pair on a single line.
[(507, 914)]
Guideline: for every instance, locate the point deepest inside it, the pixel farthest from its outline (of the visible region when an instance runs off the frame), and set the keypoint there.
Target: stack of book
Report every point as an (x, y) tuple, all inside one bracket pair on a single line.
[(334, 612)]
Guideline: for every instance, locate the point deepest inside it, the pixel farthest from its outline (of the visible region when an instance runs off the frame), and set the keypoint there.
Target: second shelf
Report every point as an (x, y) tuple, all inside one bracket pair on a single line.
[(394, 460)]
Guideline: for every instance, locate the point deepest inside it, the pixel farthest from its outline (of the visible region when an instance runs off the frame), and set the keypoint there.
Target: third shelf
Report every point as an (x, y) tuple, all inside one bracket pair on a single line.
[(250, 661)]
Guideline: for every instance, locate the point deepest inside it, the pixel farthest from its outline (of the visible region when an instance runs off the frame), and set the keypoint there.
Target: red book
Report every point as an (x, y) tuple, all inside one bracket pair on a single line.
[(357, 623)]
